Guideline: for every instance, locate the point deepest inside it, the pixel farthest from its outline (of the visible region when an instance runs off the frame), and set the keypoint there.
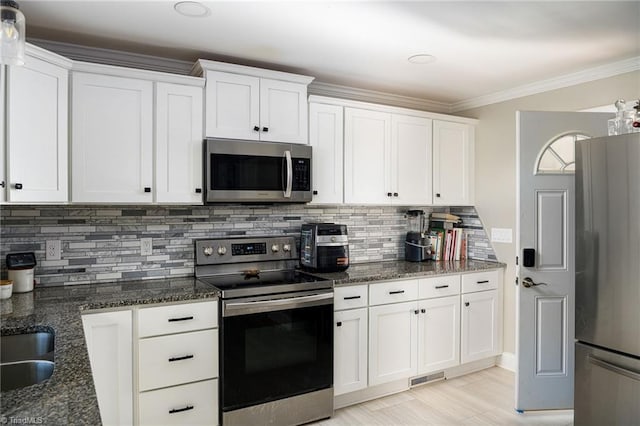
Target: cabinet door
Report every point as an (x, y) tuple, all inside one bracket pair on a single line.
[(480, 325), (112, 139), (109, 343), (3, 127), (350, 351), (392, 342), (283, 111), (178, 153), (411, 159), (452, 163), (438, 334), (326, 138), (367, 157), (232, 106), (37, 141)]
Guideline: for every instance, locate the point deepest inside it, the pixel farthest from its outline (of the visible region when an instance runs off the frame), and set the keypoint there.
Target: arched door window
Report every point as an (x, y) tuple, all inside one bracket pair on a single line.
[(558, 156)]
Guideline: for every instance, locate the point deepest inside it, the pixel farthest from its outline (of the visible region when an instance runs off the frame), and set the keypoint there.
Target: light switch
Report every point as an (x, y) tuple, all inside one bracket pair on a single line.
[(501, 235)]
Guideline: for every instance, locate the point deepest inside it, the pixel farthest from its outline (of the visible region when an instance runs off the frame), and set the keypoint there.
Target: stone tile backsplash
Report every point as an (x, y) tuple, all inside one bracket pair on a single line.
[(102, 244)]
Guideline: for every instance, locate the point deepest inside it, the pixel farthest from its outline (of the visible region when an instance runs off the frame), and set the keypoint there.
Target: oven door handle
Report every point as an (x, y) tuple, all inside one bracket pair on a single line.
[(243, 308)]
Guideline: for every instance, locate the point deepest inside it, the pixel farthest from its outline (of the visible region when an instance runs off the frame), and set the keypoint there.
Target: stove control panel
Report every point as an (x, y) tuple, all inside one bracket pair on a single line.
[(249, 249)]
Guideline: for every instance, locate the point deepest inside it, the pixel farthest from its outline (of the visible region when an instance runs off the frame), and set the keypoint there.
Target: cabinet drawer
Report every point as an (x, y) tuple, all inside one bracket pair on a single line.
[(169, 319), (479, 281), (192, 404), (177, 359), (393, 291), (350, 297), (445, 285)]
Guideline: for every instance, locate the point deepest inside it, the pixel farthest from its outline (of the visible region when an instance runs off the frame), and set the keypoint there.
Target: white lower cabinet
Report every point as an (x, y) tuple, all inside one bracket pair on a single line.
[(178, 364), (416, 327), (109, 343), (480, 326), (392, 342), (350, 357), (438, 334), (192, 404)]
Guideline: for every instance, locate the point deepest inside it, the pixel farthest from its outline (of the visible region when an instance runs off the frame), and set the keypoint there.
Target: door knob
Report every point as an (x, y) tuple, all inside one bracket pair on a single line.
[(528, 282)]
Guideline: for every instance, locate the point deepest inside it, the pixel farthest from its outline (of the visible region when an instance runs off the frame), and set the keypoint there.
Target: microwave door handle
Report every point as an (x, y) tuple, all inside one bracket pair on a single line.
[(287, 191)]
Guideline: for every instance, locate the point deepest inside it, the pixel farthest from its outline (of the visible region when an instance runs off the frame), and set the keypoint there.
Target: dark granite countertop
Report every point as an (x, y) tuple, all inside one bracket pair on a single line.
[(399, 269), (68, 397)]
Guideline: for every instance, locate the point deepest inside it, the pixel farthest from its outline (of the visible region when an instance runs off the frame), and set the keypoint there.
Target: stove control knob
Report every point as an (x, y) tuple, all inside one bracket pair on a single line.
[(286, 248), (222, 250), (275, 248), (208, 251)]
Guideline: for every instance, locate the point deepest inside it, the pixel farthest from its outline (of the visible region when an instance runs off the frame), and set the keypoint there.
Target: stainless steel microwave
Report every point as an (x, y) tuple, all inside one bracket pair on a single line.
[(243, 171)]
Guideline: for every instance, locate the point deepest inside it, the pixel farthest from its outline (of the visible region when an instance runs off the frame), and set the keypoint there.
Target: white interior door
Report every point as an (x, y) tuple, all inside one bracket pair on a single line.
[(545, 223)]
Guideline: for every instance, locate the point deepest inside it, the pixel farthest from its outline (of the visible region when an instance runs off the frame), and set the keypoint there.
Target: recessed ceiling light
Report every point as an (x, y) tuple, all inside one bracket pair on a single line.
[(422, 58), (192, 9)]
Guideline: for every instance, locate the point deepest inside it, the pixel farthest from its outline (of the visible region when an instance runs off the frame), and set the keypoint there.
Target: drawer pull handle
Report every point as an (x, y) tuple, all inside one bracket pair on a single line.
[(441, 286), (180, 319), (396, 292), (482, 282), (180, 358), (180, 410), (352, 297)]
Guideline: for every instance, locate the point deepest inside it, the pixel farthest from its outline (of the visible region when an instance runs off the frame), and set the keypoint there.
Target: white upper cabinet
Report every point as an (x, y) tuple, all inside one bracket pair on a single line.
[(367, 156), (392, 156), (327, 141), (410, 160), (112, 139), (178, 153), (136, 136), (453, 156), (36, 122), (251, 103), (233, 110)]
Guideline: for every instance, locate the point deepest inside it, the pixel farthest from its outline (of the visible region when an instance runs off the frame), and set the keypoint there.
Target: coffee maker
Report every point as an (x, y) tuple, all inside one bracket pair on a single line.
[(416, 244)]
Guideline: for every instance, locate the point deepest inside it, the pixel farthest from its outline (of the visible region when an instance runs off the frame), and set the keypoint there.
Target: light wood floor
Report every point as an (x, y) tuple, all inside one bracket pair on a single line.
[(482, 398)]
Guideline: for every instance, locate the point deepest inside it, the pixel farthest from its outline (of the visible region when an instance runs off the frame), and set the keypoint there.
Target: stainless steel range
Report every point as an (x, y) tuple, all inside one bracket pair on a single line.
[(276, 332)]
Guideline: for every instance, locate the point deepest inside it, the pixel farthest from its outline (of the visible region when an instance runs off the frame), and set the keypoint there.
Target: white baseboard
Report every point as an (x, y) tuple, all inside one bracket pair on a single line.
[(507, 361)]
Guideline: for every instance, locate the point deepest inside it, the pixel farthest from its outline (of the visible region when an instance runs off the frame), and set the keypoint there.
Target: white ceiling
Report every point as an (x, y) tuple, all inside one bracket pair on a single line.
[(481, 47)]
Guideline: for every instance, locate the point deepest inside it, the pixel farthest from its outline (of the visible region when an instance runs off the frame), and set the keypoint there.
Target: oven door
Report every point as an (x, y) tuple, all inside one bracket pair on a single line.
[(274, 349)]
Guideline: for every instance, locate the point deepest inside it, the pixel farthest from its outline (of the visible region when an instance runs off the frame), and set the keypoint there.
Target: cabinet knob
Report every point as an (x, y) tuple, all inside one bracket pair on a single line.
[(424, 311), (388, 194), (395, 194), (315, 192), (265, 129), (466, 303), (256, 128), (147, 189), (339, 323), (2, 184), (18, 186), (438, 195), (416, 312), (198, 190)]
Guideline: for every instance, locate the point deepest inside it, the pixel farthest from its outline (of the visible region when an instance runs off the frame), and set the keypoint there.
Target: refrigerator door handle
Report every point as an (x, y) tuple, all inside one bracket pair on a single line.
[(614, 368)]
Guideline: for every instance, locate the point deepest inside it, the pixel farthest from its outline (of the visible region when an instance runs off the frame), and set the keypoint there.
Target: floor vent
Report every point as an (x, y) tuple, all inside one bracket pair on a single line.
[(425, 379)]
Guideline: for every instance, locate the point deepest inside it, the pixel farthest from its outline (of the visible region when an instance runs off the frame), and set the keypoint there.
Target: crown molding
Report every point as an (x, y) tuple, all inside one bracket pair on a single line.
[(372, 96), (567, 80), (155, 63), (103, 56), (47, 56)]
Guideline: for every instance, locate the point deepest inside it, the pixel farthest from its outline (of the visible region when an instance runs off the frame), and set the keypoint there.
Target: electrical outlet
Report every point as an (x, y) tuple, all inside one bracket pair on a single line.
[(53, 250), (146, 246)]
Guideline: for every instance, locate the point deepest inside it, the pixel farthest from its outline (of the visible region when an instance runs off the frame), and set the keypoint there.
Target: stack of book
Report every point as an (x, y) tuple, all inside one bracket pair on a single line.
[(448, 241)]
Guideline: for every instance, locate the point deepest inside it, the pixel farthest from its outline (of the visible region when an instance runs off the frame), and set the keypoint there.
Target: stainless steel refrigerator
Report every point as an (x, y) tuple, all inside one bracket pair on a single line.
[(607, 364)]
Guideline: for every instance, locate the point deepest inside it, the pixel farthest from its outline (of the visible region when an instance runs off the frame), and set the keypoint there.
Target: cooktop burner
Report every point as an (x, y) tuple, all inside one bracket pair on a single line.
[(243, 267)]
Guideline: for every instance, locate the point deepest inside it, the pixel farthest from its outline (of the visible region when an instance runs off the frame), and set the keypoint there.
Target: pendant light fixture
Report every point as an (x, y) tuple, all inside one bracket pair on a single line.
[(12, 33)]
